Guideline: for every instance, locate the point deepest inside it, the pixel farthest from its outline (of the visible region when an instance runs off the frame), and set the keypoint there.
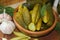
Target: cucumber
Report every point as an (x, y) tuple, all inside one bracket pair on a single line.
[(32, 27), (34, 13), (46, 17), (38, 14), (26, 16), (20, 20), (20, 34), (16, 38), (39, 24), (51, 16), (44, 14)]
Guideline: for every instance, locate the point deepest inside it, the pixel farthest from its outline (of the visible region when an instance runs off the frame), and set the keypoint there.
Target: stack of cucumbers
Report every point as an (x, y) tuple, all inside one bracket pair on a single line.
[(39, 18)]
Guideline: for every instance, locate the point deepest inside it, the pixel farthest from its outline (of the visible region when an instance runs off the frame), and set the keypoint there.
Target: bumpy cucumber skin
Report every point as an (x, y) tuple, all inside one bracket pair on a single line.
[(20, 20), (46, 17), (34, 13), (51, 16), (38, 14), (44, 14), (38, 25), (26, 16)]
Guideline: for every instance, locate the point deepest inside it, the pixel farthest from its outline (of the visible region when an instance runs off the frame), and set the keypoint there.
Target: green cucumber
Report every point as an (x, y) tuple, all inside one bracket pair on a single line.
[(20, 20), (51, 16), (26, 16)]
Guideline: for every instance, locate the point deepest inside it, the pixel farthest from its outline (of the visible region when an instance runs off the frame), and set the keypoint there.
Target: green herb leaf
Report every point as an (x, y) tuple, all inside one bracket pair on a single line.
[(1, 9), (9, 10), (57, 28)]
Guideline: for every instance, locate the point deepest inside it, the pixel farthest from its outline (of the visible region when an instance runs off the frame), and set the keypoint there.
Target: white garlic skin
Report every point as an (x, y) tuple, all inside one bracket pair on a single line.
[(1, 17), (7, 27), (8, 17)]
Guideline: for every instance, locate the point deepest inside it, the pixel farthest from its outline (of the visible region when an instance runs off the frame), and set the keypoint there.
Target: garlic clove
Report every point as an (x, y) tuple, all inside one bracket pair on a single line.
[(1, 16), (1, 21), (8, 17)]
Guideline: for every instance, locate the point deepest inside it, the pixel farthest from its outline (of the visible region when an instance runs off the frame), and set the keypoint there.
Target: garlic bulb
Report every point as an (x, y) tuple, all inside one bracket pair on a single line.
[(1, 17), (8, 17), (7, 27)]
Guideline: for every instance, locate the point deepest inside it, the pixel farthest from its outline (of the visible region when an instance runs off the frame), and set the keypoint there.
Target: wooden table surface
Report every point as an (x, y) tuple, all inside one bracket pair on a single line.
[(54, 35)]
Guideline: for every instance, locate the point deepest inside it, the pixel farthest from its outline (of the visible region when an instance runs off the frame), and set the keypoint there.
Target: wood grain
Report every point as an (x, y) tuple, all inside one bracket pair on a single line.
[(9, 2), (1, 35)]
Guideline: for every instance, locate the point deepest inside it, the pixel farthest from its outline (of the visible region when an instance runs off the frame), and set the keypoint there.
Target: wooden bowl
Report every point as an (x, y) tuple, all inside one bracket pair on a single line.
[(36, 34)]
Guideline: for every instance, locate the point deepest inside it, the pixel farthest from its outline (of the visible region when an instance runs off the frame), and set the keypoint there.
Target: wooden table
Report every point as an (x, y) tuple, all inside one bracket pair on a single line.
[(54, 35)]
